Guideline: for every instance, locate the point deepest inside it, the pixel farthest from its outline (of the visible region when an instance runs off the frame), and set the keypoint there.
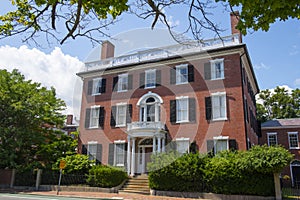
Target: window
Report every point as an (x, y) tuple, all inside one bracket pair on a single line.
[(119, 153), (97, 86), (220, 143), (94, 116), (121, 115), (214, 69), (92, 150), (150, 78), (182, 109), (293, 140), (122, 82), (182, 74), (219, 106), (182, 145), (272, 139)]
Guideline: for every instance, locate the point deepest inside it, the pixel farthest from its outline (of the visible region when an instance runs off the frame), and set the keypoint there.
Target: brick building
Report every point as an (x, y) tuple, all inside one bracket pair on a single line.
[(284, 132), (168, 98)]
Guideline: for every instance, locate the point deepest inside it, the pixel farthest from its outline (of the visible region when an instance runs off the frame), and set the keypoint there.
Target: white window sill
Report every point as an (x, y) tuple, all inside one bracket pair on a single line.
[(122, 90), (120, 125), (294, 147), (214, 79), (220, 119), (93, 127), (96, 94), (119, 165), (184, 121), (182, 83)]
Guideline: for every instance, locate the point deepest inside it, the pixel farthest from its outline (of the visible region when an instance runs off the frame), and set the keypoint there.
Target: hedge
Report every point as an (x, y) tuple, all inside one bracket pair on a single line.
[(105, 176), (239, 172)]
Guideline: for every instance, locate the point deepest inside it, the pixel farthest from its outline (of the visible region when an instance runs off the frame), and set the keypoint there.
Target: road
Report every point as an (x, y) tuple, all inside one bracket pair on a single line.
[(7, 196)]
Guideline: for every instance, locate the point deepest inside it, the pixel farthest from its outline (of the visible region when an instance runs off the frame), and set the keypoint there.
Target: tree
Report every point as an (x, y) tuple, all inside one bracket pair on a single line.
[(91, 18), (29, 114), (278, 105)]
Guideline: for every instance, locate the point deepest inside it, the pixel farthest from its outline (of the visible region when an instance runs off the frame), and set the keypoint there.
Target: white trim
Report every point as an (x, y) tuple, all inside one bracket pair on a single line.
[(92, 142), (221, 137), (213, 68), (121, 103), (182, 139), (186, 98), (150, 71), (219, 94), (272, 133), (93, 86), (119, 141), (147, 95), (293, 133), (177, 68), (120, 84), (118, 124), (93, 108)]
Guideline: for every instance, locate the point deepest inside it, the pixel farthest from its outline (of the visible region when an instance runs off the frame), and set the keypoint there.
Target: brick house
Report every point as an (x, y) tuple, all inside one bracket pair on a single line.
[(168, 98), (284, 132)]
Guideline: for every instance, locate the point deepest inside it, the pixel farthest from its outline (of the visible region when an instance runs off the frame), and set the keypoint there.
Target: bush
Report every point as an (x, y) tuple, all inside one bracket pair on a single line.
[(183, 174), (239, 172), (106, 177), (75, 164)]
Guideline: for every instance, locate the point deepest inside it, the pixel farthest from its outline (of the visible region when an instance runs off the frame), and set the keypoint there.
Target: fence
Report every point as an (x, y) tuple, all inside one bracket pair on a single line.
[(34, 178)]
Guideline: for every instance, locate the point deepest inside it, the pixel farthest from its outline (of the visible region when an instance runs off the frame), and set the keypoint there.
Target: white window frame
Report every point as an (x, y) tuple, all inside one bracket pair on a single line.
[(119, 122), (97, 83), (93, 155), (219, 106), (150, 78), (213, 64), (289, 137), (185, 142), (122, 79), (116, 149), (179, 77), (218, 139), (272, 134), (94, 116), (179, 112)]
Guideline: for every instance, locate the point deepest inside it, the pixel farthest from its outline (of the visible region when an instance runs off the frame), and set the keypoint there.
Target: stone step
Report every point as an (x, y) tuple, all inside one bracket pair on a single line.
[(138, 185)]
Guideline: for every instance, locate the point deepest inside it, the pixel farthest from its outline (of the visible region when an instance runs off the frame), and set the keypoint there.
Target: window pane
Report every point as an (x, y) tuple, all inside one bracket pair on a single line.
[(293, 138), (94, 119), (123, 83), (181, 74), (121, 115), (272, 139), (120, 154), (97, 86), (182, 146), (92, 150), (220, 145), (150, 78), (182, 109), (219, 106)]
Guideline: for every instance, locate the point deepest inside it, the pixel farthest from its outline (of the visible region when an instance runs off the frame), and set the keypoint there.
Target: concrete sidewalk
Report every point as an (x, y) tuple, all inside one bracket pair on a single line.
[(123, 196)]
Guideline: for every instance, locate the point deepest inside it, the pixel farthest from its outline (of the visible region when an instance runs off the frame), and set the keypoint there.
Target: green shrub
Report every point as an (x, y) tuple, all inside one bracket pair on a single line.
[(238, 172), (105, 176), (75, 164), (183, 174)]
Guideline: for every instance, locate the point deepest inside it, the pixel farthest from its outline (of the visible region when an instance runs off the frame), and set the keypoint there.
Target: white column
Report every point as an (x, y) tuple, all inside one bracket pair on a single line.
[(133, 157), (163, 145), (159, 144), (143, 160), (128, 155), (154, 144)]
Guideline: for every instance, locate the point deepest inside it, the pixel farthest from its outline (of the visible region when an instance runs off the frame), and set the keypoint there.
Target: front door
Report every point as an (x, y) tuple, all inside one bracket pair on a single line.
[(144, 156)]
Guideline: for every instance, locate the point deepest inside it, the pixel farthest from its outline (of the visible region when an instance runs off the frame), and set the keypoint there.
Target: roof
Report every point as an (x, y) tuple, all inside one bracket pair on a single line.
[(281, 122)]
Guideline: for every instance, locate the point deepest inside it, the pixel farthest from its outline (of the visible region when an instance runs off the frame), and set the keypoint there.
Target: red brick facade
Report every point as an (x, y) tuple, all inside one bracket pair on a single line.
[(239, 86), (281, 129)]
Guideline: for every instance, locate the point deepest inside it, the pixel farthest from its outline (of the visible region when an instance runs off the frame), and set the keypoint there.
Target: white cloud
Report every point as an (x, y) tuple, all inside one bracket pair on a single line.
[(261, 66), (55, 69), (294, 51)]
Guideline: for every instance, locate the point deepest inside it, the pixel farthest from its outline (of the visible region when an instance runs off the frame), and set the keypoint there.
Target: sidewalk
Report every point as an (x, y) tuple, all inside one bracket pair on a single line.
[(124, 196)]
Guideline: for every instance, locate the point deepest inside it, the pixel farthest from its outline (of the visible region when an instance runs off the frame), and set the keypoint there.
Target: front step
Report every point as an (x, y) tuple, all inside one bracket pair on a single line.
[(137, 185)]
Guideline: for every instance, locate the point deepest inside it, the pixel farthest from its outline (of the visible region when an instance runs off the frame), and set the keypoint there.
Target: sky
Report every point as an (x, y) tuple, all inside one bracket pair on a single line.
[(275, 55)]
